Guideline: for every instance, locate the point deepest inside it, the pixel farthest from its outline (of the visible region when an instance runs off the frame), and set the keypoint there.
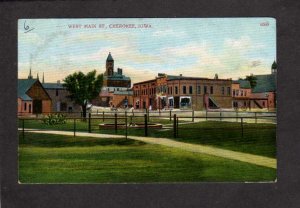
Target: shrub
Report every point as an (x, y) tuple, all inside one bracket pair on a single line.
[(54, 119)]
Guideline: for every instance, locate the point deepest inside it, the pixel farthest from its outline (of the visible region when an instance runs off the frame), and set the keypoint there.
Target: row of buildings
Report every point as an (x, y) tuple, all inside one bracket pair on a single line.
[(162, 92)]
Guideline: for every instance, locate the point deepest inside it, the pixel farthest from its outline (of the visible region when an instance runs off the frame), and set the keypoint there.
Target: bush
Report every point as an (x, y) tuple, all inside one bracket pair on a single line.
[(54, 119)]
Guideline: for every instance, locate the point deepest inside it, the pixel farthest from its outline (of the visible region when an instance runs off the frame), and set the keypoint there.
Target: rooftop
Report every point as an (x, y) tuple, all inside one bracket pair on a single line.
[(52, 85), (265, 83), (245, 84), (23, 86)]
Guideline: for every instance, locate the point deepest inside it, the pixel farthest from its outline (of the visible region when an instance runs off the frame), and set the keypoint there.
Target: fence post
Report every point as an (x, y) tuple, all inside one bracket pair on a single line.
[(220, 115), (103, 116), (89, 122), (242, 127), (193, 115), (159, 111), (236, 115), (148, 115), (206, 114), (97, 112), (23, 129), (125, 124), (116, 123), (174, 125), (170, 115), (146, 125), (177, 122), (74, 127), (255, 117)]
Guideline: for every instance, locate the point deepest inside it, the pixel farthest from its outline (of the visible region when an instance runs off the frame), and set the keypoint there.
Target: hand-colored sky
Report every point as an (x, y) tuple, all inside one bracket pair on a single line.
[(230, 47)]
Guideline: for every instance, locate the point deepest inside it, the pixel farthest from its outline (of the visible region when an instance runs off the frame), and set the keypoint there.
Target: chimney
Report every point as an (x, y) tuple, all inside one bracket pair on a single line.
[(120, 71)]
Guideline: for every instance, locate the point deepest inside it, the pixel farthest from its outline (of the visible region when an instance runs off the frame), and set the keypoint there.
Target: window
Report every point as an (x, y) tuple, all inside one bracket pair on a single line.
[(198, 89), (223, 91), (242, 92), (228, 90), (171, 90), (176, 90), (205, 89), (56, 92), (191, 89), (211, 90), (168, 90), (25, 106), (184, 89), (245, 93)]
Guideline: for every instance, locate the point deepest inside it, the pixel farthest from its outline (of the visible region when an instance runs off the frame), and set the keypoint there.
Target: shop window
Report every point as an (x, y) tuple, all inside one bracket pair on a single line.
[(205, 89), (176, 90)]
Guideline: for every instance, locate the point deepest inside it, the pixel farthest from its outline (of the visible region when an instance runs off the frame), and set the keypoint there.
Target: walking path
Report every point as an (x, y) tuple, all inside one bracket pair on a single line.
[(198, 148)]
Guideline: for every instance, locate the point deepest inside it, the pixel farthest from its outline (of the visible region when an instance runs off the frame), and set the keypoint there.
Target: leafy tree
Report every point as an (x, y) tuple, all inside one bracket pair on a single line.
[(252, 80), (83, 88)]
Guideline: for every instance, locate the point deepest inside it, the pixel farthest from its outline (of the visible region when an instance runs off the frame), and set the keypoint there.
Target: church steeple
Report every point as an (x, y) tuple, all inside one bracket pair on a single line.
[(30, 75), (37, 76), (109, 65), (274, 68), (43, 78)]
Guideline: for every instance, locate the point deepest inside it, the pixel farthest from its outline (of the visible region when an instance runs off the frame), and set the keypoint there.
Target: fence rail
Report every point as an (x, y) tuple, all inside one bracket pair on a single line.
[(123, 124)]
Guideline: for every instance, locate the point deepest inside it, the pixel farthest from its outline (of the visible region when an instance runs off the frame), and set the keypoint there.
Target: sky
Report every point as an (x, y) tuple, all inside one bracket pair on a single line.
[(200, 47)]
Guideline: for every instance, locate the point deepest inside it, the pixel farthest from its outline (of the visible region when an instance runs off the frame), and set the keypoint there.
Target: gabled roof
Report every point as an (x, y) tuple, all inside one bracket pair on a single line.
[(23, 86), (265, 83), (52, 85), (244, 84)]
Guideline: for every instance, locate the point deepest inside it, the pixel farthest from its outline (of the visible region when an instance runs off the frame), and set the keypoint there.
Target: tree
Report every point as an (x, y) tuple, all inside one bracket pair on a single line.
[(83, 88), (252, 80)]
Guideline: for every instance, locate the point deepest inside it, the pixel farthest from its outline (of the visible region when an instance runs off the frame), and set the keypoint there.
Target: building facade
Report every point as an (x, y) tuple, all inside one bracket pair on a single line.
[(116, 86), (168, 92), (262, 95), (60, 100), (32, 97)]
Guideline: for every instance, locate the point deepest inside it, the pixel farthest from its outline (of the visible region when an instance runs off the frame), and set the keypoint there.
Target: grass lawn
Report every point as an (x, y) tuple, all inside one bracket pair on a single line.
[(64, 159), (259, 139)]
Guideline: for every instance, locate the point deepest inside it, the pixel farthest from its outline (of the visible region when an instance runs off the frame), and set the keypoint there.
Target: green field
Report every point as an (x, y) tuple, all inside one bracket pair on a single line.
[(259, 139), (47, 158)]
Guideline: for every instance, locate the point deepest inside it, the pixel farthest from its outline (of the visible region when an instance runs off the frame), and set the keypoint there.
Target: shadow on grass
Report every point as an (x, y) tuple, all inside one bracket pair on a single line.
[(48, 140)]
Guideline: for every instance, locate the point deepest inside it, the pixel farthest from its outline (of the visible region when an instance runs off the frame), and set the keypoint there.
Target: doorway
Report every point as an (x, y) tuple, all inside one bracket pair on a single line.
[(37, 106)]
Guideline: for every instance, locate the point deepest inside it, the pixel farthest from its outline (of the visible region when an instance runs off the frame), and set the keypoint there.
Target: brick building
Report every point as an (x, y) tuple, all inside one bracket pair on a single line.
[(116, 90), (60, 100), (167, 91), (263, 94), (32, 97)]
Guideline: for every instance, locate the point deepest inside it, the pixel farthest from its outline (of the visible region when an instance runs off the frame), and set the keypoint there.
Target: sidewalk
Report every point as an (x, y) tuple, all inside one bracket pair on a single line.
[(197, 148)]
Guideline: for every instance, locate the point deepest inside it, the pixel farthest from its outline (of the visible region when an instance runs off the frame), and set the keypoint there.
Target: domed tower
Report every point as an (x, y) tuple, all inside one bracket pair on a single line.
[(274, 68), (109, 65)]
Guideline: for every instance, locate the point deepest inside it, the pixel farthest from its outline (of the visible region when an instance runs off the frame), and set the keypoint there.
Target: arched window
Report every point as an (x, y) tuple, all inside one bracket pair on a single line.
[(25, 106)]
